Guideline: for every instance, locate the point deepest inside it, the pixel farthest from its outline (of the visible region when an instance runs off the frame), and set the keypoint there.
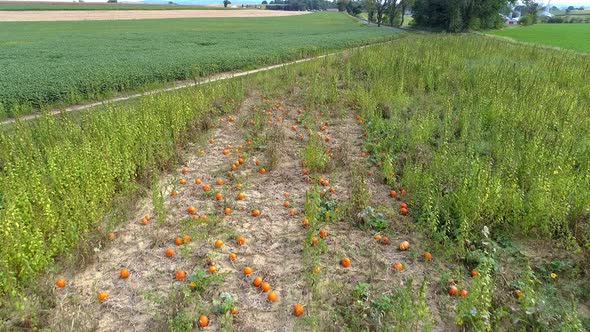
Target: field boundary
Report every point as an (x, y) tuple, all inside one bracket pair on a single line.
[(184, 84)]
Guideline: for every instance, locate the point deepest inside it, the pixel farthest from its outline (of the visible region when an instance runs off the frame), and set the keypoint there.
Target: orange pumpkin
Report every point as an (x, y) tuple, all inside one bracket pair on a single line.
[(111, 235), (232, 256), (474, 273), (247, 270), (257, 281), (169, 252), (182, 181), (323, 233), (403, 211), (184, 170), (206, 188), (180, 275), (241, 196), (463, 293), (174, 193), (198, 181), (234, 311), (317, 269), (345, 262), (265, 287), (226, 211), (292, 212), (212, 269), (314, 240), (255, 213), (377, 237), (272, 297), (218, 196), (187, 238), (219, 182), (393, 194), (178, 241), (218, 243), (427, 256), (60, 283), (453, 291), (405, 245), (298, 310), (241, 240), (397, 266), (403, 206), (286, 204), (124, 273), (102, 296), (191, 210), (203, 321), (305, 222)]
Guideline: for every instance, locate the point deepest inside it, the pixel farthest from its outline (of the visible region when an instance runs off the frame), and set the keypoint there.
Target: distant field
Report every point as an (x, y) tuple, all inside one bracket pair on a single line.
[(105, 6), (569, 36), (54, 62)]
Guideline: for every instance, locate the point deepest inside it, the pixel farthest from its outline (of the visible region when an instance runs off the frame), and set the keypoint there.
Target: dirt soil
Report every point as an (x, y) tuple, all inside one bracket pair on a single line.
[(275, 240), (109, 15)]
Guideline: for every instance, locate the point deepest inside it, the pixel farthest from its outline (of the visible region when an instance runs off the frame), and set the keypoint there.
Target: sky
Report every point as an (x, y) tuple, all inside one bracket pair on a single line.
[(557, 3)]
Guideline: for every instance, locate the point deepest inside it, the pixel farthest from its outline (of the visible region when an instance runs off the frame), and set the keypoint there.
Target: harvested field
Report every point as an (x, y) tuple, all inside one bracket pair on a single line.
[(109, 15)]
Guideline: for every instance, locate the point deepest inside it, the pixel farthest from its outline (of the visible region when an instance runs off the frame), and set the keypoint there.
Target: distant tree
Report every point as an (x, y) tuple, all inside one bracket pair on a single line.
[(265, 2), (369, 6), (226, 2), (581, 8), (354, 8), (342, 5), (458, 15), (111, 1)]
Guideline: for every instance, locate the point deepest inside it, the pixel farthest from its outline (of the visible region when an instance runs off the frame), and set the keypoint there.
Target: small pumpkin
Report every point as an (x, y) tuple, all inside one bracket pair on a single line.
[(427, 256), (255, 213), (453, 290), (218, 243), (198, 181), (257, 281), (226, 211), (241, 240), (124, 273), (247, 270), (60, 283), (218, 196), (178, 241), (323, 233), (232, 256), (272, 297), (182, 181), (102, 296), (314, 240), (405, 245), (463, 293), (398, 266), (203, 321), (298, 310), (206, 188), (265, 287), (241, 196), (180, 275), (169, 252), (212, 269), (345, 262), (219, 182), (262, 170)]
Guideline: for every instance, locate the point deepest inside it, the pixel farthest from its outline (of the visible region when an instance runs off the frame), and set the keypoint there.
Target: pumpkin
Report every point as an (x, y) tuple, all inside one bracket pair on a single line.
[(397, 266), (203, 321), (206, 188), (191, 210), (234, 311), (238, 186), (232, 256), (345, 262), (463, 293), (294, 127), (385, 240), (404, 192), (248, 142), (180, 275), (174, 193), (265, 287), (241, 240), (187, 238), (226, 211), (169, 252), (304, 171), (212, 269), (314, 240), (178, 241), (305, 222), (218, 196), (292, 212), (102, 296), (518, 293), (298, 310), (257, 162), (184, 170), (241, 196), (198, 181), (111, 235), (323, 233), (144, 221), (247, 270), (363, 154), (211, 141), (225, 152), (403, 206), (377, 237), (272, 297), (327, 139), (219, 182), (453, 291), (262, 170), (393, 194), (60, 283), (317, 269), (202, 151), (286, 194), (286, 204), (474, 273), (182, 181), (124, 273), (255, 213), (257, 281), (403, 211), (427, 256), (405, 245)]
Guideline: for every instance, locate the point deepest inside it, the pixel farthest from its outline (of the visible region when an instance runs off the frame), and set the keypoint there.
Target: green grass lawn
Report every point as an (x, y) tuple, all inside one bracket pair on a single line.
[(98, 6), (53, 62), (568, 36)]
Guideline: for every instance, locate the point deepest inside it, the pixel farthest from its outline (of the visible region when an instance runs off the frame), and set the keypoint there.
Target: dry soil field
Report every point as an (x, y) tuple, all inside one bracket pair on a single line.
[(101, 15)]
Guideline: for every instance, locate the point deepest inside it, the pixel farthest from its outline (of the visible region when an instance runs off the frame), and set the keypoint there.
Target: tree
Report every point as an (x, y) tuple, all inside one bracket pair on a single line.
[(458, 15), (226, 2), (111, 1), (342, 5), (265, 2)]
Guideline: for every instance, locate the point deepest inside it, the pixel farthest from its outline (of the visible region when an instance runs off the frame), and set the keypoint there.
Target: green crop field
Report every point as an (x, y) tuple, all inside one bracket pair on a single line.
[(87, 6), (569, 36), (52, 62)]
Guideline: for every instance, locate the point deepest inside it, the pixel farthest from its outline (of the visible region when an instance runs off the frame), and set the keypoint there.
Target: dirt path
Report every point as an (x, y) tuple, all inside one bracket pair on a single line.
[(109, 15)]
